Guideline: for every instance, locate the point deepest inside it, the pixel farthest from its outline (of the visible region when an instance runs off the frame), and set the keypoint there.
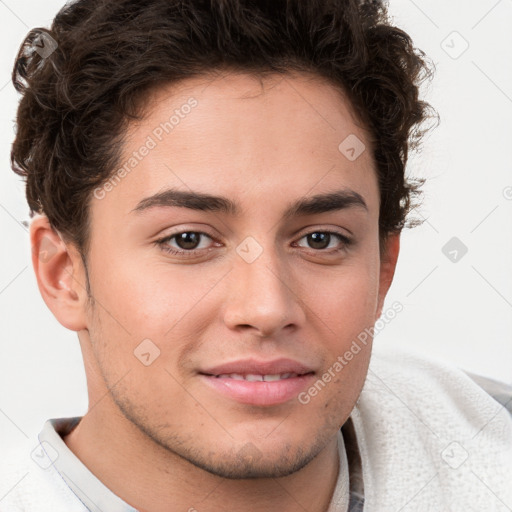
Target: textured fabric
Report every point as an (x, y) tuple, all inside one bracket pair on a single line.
[(500, 391), (430, 438), (29, 482)]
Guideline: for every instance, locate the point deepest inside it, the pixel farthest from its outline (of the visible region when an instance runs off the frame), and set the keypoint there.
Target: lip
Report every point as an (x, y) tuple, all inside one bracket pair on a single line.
[(257, 367), (261, 393)]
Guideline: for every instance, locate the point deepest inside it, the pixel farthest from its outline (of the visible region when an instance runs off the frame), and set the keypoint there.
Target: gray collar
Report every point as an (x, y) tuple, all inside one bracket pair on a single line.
[(99, 498), (87, 487)]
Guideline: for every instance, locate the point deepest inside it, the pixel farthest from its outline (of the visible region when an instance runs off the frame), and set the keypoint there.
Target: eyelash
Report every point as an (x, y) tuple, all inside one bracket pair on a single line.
[(162, 243)]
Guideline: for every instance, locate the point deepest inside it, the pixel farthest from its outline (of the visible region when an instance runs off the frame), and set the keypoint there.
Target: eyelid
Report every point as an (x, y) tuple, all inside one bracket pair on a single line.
[(171, 236), (323, 229), (179, 231), (345, 240), (300, 234)]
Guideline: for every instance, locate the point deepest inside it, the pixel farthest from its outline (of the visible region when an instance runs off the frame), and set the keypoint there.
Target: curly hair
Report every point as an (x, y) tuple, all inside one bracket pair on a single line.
[(77, 101)]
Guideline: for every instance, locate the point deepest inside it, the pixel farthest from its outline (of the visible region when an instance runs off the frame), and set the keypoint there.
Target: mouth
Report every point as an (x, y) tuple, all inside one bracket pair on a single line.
[(253, 377), (259, 383)]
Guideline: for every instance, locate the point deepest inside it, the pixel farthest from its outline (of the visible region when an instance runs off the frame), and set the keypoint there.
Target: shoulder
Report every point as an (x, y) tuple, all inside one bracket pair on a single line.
[(14, 468), (28, 478), (500, 391), (421, 377), (414, 407)]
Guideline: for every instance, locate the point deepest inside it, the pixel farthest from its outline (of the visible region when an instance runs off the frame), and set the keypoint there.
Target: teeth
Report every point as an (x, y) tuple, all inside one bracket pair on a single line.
[(251, 377), (270, 378)]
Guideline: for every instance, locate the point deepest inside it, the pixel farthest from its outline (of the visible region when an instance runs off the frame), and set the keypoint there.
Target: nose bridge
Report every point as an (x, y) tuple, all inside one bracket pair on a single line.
[(260, 293)]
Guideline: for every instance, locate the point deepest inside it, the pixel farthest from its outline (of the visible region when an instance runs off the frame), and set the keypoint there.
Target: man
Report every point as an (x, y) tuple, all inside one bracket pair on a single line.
[(219, 192)]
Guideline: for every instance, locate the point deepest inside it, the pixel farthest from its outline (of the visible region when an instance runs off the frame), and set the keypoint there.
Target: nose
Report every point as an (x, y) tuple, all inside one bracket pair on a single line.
[(262, 296)]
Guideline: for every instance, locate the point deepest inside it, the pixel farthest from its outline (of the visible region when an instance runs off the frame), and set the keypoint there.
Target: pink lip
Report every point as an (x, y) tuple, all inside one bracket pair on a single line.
[(259, 393), (263, 393), (245, 366)]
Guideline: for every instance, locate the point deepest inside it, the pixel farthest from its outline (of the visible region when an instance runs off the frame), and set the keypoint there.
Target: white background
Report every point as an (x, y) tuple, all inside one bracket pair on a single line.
[(460, 312)]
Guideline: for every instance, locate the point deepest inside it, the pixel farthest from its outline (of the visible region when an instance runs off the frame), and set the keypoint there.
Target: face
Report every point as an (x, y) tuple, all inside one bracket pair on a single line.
[(211, 318)]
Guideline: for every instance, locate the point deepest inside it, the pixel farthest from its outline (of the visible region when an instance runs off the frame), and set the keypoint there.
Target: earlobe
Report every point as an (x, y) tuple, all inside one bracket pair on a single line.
[(59, 273), (388, 263)]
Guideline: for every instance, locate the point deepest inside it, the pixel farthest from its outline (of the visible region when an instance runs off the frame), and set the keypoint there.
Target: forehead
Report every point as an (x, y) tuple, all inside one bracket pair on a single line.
[(266, 109), (242, 136)]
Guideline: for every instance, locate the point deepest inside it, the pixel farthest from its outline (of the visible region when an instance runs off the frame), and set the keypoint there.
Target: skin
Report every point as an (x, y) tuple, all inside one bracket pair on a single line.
[(156, 435)]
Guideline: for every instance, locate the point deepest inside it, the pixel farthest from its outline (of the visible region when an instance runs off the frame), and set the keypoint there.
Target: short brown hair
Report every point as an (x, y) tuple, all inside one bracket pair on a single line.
[(77, 101)]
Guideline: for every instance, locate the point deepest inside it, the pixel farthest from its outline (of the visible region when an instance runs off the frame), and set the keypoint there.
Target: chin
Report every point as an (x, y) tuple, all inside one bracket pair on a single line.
[(249, 463)]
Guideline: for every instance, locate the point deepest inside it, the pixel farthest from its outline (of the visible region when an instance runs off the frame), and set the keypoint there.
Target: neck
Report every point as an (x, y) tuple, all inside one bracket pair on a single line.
[(153, 479)]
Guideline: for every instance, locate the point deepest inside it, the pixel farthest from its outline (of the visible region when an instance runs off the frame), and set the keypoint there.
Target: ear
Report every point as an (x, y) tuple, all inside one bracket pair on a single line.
[(60, 274), (388, 260)]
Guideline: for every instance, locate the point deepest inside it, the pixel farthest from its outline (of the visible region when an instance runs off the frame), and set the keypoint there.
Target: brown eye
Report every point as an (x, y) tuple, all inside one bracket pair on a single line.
[(321, 240), (188, 240), (184, 243)]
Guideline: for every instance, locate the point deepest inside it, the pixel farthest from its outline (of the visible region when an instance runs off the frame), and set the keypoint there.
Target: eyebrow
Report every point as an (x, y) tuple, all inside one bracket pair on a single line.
[(320, 203)]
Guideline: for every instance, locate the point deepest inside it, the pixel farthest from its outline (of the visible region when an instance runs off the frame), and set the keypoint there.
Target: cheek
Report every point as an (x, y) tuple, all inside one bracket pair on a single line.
[(146, 309), (149, 298), (347, 299)]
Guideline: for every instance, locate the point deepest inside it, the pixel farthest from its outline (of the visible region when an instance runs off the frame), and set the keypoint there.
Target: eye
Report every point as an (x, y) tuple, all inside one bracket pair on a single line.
[(321, 240), (188, 242)]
